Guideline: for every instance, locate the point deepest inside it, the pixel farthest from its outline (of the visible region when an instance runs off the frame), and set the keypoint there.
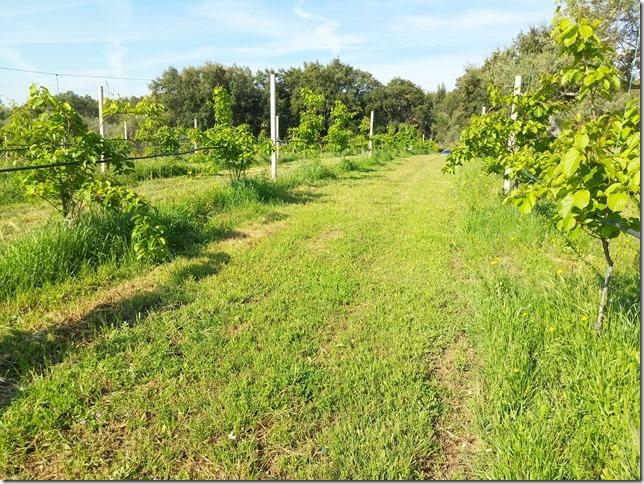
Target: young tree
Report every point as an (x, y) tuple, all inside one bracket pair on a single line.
[(340, 133), (54, 135), (153, 129), (233, 147), (588, 166), (306, 136)]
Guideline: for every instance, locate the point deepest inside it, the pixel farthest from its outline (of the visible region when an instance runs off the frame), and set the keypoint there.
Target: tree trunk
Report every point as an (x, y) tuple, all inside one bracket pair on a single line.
[(67, 209), (604, 294)]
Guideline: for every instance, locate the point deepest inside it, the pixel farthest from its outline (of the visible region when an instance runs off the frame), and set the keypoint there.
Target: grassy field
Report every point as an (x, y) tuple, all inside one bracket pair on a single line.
[(376, 321)]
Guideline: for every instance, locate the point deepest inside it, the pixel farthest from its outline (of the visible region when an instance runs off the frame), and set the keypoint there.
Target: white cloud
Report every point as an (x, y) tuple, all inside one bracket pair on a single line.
[(326, 31), (426, 41)]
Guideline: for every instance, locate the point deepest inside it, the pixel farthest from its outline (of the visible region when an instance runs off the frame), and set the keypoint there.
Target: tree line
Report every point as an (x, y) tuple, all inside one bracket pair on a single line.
[(439, 114)]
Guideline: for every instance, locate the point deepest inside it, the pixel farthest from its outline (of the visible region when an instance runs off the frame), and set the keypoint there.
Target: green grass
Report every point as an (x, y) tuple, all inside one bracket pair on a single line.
[(561, 401), (54, 253), (334, 325)]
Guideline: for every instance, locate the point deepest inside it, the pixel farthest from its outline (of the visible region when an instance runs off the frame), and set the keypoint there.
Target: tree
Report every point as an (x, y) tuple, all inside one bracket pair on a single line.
[(619, 28), (589, 166), (86, 105), (306, 135), (398, 102), (56, 135), (340, 132), (152, 126), (233, 147), (187, 94)]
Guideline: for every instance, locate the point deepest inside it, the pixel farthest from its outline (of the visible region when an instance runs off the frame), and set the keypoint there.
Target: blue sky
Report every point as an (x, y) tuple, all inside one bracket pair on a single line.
[(426, 41)]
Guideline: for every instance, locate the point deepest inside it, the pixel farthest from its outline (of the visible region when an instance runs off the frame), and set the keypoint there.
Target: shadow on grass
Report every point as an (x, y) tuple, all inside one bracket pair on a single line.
[(624, 294), (24, 353), (189, 227)]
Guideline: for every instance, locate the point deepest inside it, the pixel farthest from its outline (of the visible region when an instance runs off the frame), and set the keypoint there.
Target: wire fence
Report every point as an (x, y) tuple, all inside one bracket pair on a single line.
[(129, 158)]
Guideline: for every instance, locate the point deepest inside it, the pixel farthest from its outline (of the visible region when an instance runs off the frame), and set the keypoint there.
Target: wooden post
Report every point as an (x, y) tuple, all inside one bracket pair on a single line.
[(508, 183), (273, 131), (277, 135), (194, 123), (125, 130), (370, 145), (101, 125)]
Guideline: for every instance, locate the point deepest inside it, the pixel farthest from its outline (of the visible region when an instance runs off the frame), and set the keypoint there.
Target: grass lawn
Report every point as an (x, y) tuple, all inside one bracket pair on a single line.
[(391, 322)]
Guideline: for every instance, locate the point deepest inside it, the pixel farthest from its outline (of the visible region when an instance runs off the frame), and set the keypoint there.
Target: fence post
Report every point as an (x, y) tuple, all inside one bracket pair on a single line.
[(508, 183), (273, 131), (483, 110), (194, 123), (277, 136), (370, 145), (101, 124), (125, 130)]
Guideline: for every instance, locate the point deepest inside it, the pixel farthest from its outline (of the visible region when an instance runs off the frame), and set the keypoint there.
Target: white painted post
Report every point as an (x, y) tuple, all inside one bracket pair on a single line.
[(194, 123), (273, 131), (508, 183), (370, 134), (101, 125), (483, 110), (277, 135), (125, 130)]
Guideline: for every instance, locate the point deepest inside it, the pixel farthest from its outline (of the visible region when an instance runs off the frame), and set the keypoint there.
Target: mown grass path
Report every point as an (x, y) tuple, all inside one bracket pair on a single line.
[(308, 354), (393, 323)]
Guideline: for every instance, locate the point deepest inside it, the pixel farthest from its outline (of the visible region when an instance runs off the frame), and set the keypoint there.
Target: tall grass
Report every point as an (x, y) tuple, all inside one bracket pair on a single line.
[(166, 168), (560, 401), (55, 253), (10, 189)]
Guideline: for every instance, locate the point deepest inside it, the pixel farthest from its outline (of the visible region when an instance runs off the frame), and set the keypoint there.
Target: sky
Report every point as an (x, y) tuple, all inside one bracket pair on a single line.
[(426, 41)]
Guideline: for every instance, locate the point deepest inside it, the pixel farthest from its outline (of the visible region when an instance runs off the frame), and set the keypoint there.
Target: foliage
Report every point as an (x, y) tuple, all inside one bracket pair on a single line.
[(592, 169), (339, 136), (55, 134), (84, 105), (401, 102), (153, 130), (402, 138), (223, 106), (306, 136), (231, 147), (618, 26), (588, 165)]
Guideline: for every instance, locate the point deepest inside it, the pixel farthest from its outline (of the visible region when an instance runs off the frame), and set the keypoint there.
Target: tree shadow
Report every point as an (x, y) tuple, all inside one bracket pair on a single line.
[(24, 353), (624, 294)]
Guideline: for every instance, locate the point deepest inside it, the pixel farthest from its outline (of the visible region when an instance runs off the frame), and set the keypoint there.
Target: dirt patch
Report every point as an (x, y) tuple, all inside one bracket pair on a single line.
[(324, 238), (458, 445), (251, 234)]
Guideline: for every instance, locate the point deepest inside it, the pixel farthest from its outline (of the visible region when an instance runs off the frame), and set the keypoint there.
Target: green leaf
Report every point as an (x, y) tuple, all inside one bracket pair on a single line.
[(585, 31), (565, 205), (568, 222), (581, 141), (528, 203), (570, 162), (581, 199), (617, 201), (608, 231)]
